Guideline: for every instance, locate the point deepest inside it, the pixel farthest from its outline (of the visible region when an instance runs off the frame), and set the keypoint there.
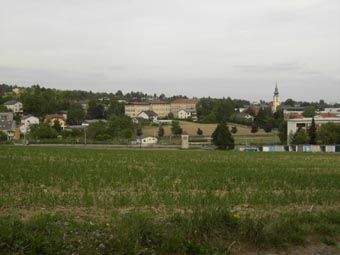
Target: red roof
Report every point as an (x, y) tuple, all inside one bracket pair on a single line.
[(49, 117), (184, 101)]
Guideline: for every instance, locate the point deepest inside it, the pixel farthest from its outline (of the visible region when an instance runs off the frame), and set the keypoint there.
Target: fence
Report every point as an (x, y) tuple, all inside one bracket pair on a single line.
[(290, 148)]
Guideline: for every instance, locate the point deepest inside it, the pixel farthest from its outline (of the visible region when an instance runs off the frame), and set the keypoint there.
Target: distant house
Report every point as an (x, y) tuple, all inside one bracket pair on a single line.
[(26, 122), (147, 115), (149, 140), (51, 118), (15, 106), (7, 124), (245, 115), (187, 113)]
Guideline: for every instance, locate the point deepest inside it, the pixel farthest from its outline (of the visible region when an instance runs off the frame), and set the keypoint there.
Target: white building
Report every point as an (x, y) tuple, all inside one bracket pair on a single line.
[(187, 113), (147, 115), (294, 124), (14, 106), (26, 122)]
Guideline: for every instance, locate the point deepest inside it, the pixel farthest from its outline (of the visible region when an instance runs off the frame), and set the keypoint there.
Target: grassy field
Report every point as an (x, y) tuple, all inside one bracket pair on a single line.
[(243, 135), (208, 129), (102, 201)]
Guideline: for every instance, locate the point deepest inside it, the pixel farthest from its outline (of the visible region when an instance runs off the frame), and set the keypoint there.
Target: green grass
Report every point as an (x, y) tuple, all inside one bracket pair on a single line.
[(88, 201)]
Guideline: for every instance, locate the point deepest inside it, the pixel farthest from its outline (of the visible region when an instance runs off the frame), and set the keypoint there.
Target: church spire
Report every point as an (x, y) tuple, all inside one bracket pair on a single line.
[(276, 92)]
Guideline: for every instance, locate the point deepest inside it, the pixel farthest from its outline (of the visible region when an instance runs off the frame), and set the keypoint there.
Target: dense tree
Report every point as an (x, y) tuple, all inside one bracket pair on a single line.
[(300, 137), (3, 136), (176, 128), (283, 132), (309, 111), (57, 126), (224, 110), (120, 127), (329, 134), (115, 108), (268, 127), (264, 117), (96, 129), (222, 137), (290, 102), (42, 130), (95, 110), (254, 128), (312, 132), (75, 114), (139, 132)]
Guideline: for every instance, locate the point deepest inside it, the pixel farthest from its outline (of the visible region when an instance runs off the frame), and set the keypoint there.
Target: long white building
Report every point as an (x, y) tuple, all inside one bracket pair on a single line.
[(294, 124)]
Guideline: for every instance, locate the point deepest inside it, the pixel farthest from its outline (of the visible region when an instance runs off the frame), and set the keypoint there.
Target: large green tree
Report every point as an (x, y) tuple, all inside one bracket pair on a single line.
[(309, 111), (115, 108), (312, 132), (95, 110), (283, 132), (329, 133), (75, 114), (222, 137), (42, 130), (300, 137), (176, 128)]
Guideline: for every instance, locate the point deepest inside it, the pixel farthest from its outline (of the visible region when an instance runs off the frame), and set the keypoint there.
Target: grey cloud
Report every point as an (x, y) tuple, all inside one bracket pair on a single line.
[(194, 47)]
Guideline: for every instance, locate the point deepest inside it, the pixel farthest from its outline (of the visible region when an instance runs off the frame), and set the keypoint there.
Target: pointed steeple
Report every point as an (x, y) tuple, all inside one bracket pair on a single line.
[(276, 92)]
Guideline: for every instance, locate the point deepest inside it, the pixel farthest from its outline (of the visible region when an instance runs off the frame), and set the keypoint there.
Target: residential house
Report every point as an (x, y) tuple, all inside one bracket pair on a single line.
[(187, 113), (15, 106), (7, 124), (147, 115), (51, 118), (26, 122)]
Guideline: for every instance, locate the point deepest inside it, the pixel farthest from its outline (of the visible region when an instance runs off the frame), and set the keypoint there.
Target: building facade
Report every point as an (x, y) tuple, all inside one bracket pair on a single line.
[(26, 122), (161, 108), (294, 124), (134, 108), (183, 104), (7, 124), (14, 106)]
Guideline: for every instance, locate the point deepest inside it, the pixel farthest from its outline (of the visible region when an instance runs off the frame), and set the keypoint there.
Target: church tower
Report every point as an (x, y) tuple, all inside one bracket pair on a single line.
[(276, 99)]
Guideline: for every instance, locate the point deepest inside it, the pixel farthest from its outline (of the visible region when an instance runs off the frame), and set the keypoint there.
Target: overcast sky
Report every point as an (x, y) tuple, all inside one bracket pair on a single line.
[(236, 48)]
